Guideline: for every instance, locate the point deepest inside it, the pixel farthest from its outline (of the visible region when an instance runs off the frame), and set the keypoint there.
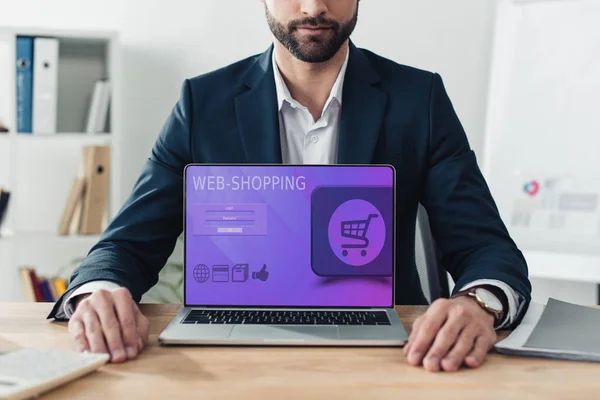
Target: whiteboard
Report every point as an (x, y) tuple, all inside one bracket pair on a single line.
[(542, 139)]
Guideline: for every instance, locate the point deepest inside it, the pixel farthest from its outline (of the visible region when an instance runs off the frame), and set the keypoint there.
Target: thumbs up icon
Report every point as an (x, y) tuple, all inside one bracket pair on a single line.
[(262, 275)]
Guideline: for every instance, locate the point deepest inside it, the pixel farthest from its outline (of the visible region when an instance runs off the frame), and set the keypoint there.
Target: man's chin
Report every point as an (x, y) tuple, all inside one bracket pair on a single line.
[(313, 57), (312, 49)]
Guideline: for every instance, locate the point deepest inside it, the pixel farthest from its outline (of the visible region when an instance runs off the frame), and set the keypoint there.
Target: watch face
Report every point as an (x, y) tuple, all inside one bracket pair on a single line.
[(489, 299)]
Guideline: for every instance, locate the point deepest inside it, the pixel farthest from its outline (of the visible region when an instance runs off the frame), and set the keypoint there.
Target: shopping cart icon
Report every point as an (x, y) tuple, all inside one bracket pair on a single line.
[(357, 230), (351, 228)]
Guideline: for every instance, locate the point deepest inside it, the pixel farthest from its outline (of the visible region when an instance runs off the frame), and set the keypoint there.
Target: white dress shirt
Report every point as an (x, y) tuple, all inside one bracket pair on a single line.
[(305, 141)]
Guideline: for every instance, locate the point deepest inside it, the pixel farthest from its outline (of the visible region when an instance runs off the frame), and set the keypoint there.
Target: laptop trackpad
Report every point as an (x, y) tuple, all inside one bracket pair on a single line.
[(270, 333)]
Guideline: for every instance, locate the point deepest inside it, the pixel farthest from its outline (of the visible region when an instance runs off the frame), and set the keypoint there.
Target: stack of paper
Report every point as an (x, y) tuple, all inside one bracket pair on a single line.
[(558, 330)]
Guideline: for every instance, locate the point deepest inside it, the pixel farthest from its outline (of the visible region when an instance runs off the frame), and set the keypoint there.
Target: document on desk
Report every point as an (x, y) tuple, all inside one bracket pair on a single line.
[(558, 330)]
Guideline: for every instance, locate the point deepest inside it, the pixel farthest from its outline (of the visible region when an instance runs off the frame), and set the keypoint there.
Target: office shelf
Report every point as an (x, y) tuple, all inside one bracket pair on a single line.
[(39, 169)]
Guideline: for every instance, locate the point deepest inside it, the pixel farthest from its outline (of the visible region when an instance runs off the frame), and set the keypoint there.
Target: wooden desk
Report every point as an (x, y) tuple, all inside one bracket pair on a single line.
[(293, 373)]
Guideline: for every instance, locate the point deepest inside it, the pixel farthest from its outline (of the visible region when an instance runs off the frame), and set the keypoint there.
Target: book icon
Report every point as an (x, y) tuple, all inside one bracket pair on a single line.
[(220, 273), (239, 273)]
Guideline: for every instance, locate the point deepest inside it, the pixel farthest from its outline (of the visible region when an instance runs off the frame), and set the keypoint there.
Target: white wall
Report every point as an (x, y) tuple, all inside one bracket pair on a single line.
[(167, 41)]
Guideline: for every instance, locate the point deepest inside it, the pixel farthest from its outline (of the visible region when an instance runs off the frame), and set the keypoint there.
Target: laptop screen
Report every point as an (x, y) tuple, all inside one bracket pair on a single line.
[(289, 236)]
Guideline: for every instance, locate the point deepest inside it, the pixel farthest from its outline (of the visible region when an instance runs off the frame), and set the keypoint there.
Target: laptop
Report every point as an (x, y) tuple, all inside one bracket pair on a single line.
[(288, 255)]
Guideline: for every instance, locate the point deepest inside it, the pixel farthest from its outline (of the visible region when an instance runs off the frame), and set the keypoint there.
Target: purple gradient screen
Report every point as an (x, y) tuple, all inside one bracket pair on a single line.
[(297, 236)]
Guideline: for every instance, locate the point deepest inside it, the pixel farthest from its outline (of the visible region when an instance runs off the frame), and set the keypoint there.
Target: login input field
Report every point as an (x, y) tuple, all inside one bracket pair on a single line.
[(230, 219)]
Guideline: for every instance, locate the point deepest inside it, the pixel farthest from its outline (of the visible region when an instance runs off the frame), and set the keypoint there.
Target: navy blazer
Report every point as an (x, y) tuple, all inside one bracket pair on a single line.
[(392, 114)]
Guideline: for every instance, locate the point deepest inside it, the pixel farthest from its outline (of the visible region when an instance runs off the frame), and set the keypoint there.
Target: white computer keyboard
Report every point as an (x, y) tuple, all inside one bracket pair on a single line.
[(29, 372)]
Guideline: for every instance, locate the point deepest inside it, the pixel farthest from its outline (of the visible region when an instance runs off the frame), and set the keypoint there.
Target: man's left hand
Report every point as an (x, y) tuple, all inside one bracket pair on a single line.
[(451, 333)]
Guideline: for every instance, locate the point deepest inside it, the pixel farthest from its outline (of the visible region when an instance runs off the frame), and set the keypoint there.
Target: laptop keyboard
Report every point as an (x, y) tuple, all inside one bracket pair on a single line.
[(258, 317)]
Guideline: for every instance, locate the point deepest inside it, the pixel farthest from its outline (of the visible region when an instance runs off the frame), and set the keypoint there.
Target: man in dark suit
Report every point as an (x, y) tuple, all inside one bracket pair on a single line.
[(313, 97)]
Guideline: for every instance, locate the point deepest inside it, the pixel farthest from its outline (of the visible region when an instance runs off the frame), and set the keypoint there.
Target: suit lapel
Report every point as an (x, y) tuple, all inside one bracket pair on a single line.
[(363, 110), (256, 113)]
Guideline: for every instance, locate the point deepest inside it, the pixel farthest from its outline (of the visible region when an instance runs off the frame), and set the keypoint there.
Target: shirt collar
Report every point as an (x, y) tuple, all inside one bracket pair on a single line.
[(284, 95)]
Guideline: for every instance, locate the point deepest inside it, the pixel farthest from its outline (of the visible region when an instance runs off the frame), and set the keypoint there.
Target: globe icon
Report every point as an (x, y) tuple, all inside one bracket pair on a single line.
[(201, 273)]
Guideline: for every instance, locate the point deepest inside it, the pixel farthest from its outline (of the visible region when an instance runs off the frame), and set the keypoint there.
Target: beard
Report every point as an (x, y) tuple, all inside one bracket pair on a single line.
[(312, 49)]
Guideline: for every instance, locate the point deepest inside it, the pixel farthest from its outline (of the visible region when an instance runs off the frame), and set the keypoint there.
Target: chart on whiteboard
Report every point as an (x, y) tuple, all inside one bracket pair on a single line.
[(553, 212), (543, 124), (554, 204)]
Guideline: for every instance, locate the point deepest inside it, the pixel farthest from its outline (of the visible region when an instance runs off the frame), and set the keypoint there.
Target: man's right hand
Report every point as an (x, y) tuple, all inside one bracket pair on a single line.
[(109, 322)]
